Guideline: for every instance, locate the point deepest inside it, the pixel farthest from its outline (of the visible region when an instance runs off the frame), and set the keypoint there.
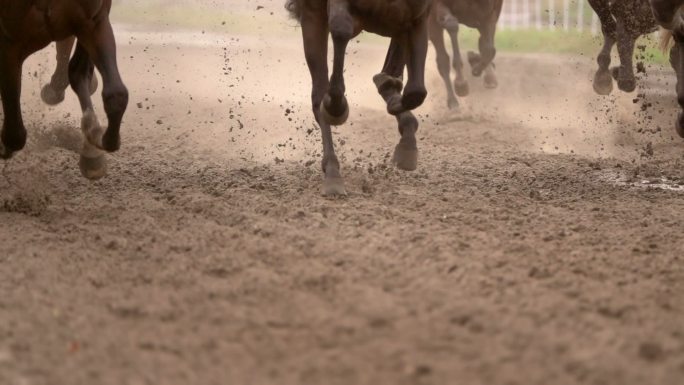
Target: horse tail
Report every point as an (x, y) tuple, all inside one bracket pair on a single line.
[(295, 8), (665, 39)]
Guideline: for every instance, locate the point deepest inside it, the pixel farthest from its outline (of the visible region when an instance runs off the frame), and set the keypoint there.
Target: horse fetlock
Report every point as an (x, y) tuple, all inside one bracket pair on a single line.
[(90, 126), (626, 82), (408, 126), (385, 82)]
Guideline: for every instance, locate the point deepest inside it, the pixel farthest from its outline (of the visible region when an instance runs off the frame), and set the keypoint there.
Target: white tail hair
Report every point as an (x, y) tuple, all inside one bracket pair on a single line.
[(665, 39)]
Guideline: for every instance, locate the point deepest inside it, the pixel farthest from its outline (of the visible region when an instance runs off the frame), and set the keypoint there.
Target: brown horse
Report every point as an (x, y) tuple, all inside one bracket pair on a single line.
[(449, 15), (405, 22), (27, 26), (53, 92), (622, 21), (670, 16)]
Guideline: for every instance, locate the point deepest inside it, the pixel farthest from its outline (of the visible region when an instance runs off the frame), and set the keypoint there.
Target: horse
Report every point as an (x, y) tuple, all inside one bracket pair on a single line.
[(670, 16), (622, 21), (449, 15), (27, 26), (53, 93)]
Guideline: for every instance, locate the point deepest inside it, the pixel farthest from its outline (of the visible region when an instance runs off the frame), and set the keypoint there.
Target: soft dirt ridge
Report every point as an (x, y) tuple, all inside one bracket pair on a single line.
[(527, 249)]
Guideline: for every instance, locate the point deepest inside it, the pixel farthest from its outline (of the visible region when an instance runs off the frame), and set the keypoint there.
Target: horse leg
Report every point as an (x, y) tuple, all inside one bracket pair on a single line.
[(677, 61), (625, 44), (53, 92), (389, 87), (437, 38), (490, 80), (315, 36), (92, 162), (486, 48), (13, 135), (335, 109), (460, 83), (101, 48), (603, 81), (415, 92)]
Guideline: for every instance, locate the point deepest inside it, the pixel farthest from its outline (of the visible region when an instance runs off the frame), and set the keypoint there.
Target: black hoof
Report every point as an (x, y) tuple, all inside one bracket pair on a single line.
[(50, 96), (405, 157), (603, 83), (333, 186), (412, 99), (627, 85), (679, 126), (329, 117), (93, 168), (462, 88)]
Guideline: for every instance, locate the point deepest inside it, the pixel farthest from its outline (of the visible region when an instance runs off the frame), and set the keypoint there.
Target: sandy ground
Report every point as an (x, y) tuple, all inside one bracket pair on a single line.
[(541, 240)]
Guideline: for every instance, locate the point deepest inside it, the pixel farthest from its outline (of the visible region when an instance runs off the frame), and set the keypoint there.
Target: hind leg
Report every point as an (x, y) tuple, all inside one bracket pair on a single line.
[(416, 53), (101, 48), (603, 81), (437, 38), (460, 83), (315, 36), (92, 162), (389, 87), (486, 47), (335, 109), (13, 135)]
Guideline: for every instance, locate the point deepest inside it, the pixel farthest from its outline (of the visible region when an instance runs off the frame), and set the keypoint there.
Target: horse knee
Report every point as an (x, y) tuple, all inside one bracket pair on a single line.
[(340, 21)]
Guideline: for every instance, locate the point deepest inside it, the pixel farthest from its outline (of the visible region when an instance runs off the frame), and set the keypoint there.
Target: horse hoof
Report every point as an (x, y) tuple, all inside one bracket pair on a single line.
[(679, 126), (603, 83), (412, 99), (462, 88), (490, 82), (627, 85), (333, 186), (4, 152), (405, 157), (93, 168), (50, 96), (331, 119)]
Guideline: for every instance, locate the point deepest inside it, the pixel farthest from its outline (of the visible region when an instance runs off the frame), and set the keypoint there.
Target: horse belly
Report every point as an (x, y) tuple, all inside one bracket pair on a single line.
[(388, 17)]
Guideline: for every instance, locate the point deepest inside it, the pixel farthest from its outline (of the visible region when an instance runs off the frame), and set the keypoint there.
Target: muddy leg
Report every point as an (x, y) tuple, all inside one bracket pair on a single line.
[(335, 109), (437, 37), (460, 83), (389, 87), (13, 135), (603, 81), (315, 36), (677, 61), (625, 43)]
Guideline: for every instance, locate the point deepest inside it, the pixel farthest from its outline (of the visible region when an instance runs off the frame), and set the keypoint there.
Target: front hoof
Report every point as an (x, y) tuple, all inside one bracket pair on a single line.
[(679, 126), (4, 152), (627, 84), (333, 187), (412, 99), (405, 157), (93, 168), (50, 96), (490, 82), (328, 117), (603, 83), (462, 88)]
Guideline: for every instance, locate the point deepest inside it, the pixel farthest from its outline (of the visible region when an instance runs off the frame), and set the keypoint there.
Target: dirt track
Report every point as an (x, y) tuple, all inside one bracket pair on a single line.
[(525, 250)]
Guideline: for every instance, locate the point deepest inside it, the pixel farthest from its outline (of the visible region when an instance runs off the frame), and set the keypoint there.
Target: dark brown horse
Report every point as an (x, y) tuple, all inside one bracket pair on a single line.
[(670, 16), (53, 92), (622, 21), (405, 22), (27, 26), (449, 15)]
